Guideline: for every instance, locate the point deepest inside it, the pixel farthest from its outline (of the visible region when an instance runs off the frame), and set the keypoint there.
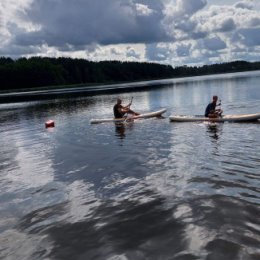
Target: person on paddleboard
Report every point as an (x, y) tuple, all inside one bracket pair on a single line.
[(211, 110), (120, 110)]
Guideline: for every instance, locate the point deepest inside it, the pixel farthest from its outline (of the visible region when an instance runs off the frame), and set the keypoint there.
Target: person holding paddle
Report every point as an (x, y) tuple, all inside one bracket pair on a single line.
[(211, 110), (120, 110)]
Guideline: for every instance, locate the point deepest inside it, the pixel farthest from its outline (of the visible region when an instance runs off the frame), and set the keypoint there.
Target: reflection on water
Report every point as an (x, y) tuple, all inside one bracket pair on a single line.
[(127, 228), (214, 130), (120, 129), (150, 229), (144, 190)]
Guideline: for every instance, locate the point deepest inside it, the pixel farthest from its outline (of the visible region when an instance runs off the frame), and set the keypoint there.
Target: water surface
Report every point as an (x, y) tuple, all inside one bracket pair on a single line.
[(144, 190)]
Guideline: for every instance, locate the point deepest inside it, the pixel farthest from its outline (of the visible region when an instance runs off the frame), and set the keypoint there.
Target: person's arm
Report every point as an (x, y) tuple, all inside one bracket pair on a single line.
[(128, 106), (124, 109)]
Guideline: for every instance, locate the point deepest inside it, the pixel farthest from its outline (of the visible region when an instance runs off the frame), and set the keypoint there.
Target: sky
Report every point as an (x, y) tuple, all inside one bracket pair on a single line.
[(175, 32)]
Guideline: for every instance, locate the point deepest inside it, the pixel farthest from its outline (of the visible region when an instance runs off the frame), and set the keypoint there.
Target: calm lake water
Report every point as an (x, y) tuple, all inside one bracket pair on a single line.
[(144, 190)]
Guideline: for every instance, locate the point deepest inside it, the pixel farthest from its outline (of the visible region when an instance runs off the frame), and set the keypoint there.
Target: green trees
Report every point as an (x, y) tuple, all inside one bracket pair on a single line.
[(39, 71), (24, 73)]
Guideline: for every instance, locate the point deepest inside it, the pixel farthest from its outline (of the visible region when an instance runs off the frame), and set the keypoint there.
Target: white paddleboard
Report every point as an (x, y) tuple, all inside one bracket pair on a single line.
[(226, 118), (145, 115)]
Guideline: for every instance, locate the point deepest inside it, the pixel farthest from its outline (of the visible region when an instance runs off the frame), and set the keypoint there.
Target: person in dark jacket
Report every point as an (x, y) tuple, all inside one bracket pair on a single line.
[(211, 110), (120, 110)]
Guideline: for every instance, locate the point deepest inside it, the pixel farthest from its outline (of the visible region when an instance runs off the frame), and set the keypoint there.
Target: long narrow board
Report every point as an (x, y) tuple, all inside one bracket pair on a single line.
[(145, 115), (226, 118)]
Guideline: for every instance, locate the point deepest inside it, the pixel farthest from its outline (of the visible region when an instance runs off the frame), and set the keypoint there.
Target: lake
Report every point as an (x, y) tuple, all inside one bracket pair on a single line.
[(151, 189)]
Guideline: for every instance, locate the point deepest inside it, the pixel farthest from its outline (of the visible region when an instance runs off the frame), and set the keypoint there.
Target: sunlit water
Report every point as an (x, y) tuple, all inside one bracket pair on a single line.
[(144, 190)]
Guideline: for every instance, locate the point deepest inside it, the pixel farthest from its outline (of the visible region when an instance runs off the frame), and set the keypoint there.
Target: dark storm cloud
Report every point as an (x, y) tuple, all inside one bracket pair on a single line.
[(15, 51), (85, 22)]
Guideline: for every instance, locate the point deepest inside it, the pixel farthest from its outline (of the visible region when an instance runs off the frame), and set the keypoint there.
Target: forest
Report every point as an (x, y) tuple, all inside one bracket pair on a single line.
[(43, 71)]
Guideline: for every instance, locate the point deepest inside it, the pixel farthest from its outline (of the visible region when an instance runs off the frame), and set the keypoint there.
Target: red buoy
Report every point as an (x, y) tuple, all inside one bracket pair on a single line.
[(49, 123)]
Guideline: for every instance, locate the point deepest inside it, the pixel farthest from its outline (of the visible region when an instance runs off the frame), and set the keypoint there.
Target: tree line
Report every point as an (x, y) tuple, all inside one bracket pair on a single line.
[(43, 71)]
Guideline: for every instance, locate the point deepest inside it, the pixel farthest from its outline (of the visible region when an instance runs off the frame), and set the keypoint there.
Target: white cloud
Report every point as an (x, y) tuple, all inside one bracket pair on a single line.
[(245, 5), (229, 27), (143, 10), (132, 53), (11, 12), (167, 31), (178, 17), (180, 8)]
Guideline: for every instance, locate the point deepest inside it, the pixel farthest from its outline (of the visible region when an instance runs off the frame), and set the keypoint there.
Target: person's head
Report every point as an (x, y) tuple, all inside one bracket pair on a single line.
[(215, 99), (119, 101)]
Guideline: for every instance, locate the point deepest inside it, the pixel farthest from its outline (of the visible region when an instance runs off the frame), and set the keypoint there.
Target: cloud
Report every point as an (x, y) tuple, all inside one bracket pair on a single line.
[(244, 5), (249, 36), (216, 19), (11, 13), (190, 7), (15, 51), (233, 24), (214, 44), (178, 19), (180, 8), (143, 10), (254, 21), (183, 50), (167, 31), (61, 23), (157, 52), (86, 22), (226, 25), (131, 53), (188, 52)]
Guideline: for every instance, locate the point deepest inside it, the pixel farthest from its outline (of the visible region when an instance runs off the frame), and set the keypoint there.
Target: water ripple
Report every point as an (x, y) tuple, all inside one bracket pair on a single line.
[(146, 190)]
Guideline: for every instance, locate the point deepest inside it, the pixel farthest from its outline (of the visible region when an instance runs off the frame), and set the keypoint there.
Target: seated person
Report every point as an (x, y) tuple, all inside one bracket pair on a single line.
[(120, 111), (211, 110)]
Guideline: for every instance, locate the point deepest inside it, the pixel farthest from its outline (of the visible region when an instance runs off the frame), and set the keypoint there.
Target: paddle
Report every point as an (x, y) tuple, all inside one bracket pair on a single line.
[(127, 118), (220, 111), (130, 102)]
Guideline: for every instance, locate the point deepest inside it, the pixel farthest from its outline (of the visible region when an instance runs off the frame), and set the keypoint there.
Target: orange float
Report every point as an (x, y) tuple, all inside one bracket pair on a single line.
[(49, 123)]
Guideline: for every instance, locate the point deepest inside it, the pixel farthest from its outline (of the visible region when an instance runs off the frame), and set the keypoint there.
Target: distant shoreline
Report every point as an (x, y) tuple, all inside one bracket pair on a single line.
[(55, 92)]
